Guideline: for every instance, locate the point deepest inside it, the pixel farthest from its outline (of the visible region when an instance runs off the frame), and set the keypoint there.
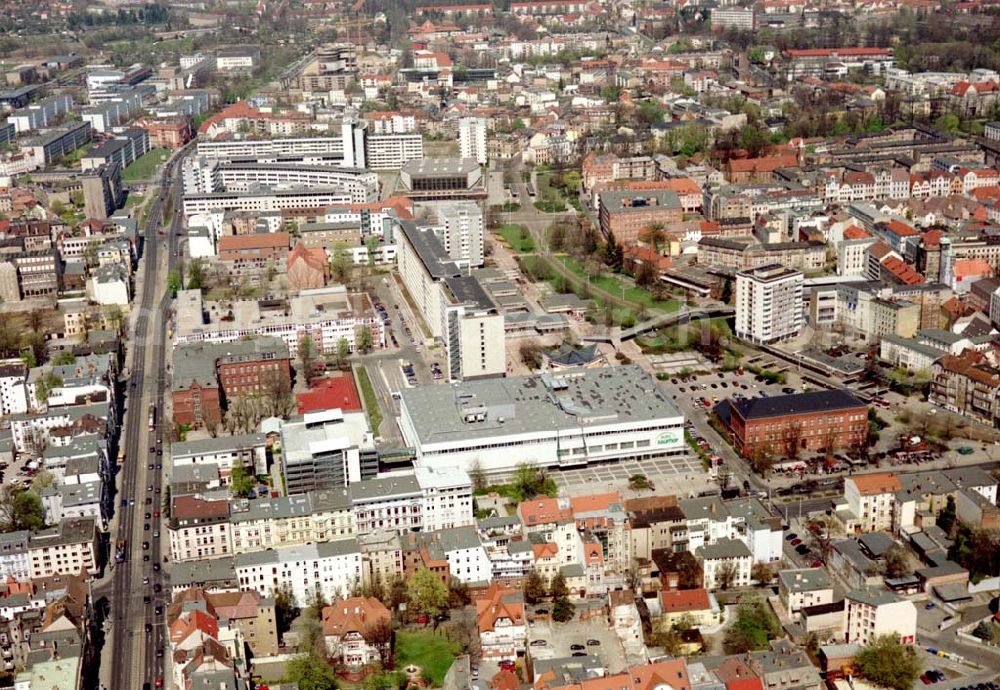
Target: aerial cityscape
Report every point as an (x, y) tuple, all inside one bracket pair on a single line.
[(499, 345)]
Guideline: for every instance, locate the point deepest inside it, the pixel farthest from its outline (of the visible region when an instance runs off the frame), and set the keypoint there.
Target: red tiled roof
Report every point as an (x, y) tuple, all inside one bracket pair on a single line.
[(259, 240), (683, 600), (853, 232), (905, 273), (354, 615)]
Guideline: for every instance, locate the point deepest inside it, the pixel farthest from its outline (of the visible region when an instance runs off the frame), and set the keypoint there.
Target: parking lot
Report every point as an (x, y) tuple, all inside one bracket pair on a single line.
[(683, 475), (561, 638)]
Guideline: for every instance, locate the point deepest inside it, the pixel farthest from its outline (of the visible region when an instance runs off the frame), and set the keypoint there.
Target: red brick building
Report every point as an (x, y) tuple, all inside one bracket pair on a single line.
[(207, 375), (787, 424), (254, 251), (627, 213), (260, 371), (171, 134)]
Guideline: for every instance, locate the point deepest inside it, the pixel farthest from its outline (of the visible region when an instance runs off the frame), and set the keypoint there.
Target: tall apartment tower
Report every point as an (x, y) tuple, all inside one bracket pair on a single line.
[(353, 132), (768, 303), (460, 230), (472, 138)]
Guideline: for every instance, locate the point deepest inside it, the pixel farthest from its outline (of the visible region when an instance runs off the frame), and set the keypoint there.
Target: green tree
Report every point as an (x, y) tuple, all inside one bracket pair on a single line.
[(613, 253), (754, 626), (174, 281), (558, 588), (946, 518), (754, 140), (530, 481), (307, 357), (42, 480), (563, 610), (889, 664), (343, 352), (341, 266), (64, 358), (196, 275), (285, 609), (20, 509), (241, 481), (948, 122), (365, 339), (311, 672), (426, 592), (534, 588)]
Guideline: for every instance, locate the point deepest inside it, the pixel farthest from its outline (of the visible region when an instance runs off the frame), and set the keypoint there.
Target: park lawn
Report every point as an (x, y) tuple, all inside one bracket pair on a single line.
[(614, 286), (513, 235), (144, 167), (431, 652)]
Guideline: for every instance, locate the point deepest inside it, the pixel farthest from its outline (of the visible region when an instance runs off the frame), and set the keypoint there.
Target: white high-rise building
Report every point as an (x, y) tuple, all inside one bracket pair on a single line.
[(472, 138), (353, 134), (460, 229), (768, 303)]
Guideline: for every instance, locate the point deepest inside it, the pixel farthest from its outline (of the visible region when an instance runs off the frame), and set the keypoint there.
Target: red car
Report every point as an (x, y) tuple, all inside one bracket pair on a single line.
[(507, 665), (423, 620), (924, 679), (159, 682)]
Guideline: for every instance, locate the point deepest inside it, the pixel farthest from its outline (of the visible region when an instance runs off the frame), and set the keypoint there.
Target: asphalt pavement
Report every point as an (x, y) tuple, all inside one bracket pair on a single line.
[(137, 630)]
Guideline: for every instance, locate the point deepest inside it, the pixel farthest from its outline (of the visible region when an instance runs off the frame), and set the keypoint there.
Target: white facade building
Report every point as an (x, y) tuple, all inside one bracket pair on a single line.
[(549, 420), (331, 569), (472, 138), (13, 387), (869, 613), (460, 230), (768, 304)]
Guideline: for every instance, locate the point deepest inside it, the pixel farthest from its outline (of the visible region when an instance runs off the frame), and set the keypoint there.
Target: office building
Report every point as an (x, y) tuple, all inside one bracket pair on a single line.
[(123, 149), (103, 193), (768, 304), (568, 419), (58, 142), (326, 450), (784, 425), (42, 114)]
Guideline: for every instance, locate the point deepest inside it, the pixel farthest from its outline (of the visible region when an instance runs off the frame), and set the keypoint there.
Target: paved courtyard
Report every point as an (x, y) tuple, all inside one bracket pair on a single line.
[(680, 475)]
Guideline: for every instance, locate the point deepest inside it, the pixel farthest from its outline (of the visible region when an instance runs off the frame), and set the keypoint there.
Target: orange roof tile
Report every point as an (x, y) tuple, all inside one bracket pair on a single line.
[(878, 483)]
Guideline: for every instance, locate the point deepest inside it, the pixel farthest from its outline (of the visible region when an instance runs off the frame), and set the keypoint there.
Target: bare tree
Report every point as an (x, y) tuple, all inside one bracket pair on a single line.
[(276, 391), (379, 635), (791, 437), (725, 576)]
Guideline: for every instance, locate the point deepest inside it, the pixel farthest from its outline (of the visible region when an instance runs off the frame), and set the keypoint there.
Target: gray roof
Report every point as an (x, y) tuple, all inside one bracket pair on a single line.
[(872, 596), (196, 361), (914, 345), (805, 579), (204, 571), (467, 290), (214, 445), (244, 510), (535, 403), (385, 487), (436, 167), (800, 403), (723, 549), (429, 250), (614, 200), (330, 549)]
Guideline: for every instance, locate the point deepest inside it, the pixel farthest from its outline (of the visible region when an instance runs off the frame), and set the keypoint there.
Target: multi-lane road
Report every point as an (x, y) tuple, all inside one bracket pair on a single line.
[(140, 589)]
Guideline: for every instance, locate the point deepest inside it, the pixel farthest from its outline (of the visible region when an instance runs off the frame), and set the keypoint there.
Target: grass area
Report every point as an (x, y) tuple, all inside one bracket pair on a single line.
[(433, 653), (371, 402), (133, 200), (518, 237), (614, 285), (145, 166)]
